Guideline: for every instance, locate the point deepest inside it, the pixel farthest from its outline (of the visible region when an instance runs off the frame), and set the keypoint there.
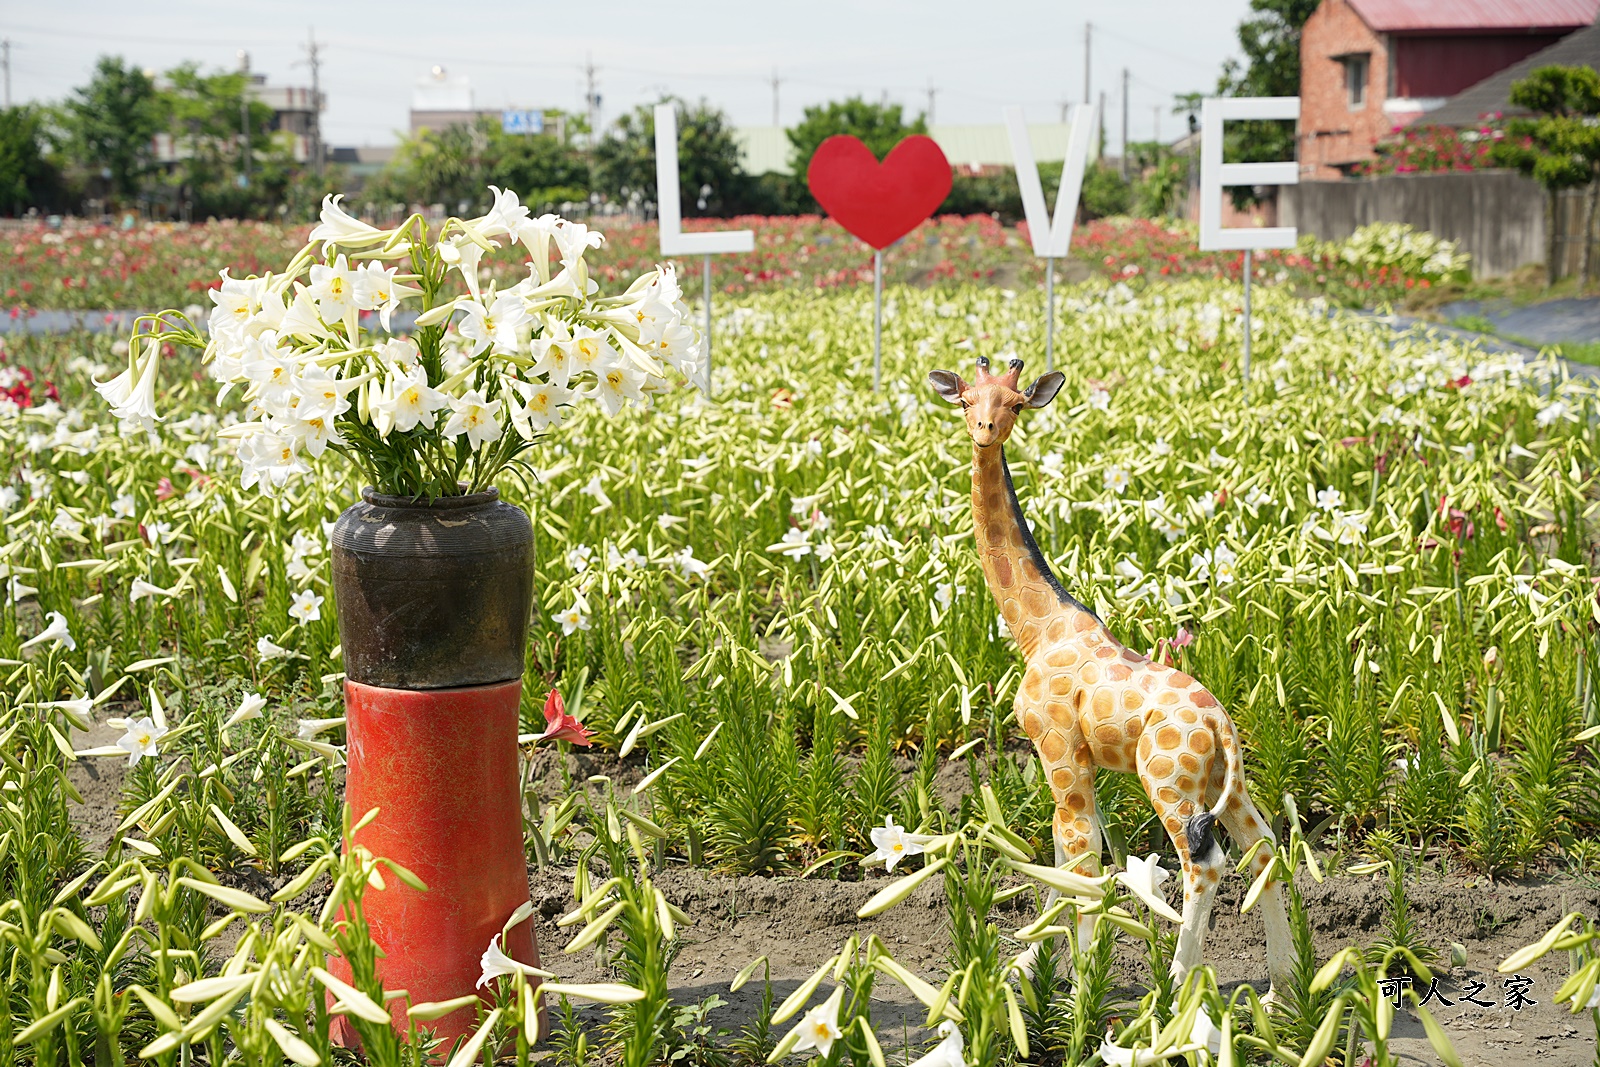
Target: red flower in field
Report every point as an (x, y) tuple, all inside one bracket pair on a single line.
[(1500, 519), (164, 489), (559, 726)]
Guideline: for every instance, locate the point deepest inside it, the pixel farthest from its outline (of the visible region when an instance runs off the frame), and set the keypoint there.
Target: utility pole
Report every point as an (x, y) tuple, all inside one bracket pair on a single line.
[(591, 99), (776, 81), (1065, 104), (1124, 123), (5, 52), (1157, 111), (932, 92), (314, 58), (1101, 153), (1088, 29)]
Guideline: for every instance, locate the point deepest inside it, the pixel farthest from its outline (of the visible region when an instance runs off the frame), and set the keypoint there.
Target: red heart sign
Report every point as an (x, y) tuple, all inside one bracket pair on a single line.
[(879, 202)]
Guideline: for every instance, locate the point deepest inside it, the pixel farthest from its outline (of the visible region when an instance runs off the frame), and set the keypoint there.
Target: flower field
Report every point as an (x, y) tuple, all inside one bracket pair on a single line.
[(167, 265), (766, 610)]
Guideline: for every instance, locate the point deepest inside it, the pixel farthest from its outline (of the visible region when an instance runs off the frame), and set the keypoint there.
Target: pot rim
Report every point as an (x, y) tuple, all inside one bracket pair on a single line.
[(417, 503)]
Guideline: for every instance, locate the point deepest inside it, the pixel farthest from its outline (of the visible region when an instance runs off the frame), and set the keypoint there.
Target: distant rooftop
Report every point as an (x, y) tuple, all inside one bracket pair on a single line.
[(1474, 16), (439, 90), (1493, 94), (766, 149)]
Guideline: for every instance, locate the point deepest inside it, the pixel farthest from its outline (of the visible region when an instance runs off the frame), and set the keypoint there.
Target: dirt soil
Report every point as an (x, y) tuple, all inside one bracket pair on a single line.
[(797, 924)]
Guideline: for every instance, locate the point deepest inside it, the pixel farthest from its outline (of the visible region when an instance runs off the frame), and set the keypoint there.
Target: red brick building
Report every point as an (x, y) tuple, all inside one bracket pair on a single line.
[(1368, 66)]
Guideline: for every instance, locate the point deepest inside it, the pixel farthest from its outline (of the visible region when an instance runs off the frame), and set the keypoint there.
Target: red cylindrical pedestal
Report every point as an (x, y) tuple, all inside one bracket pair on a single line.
[(441, 767)]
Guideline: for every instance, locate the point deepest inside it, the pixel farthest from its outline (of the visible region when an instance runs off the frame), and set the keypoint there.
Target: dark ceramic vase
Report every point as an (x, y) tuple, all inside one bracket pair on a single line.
[(433, 596)]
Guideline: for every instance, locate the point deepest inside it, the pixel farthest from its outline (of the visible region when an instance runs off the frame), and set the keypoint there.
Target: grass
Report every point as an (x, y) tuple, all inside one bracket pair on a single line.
[(1362, 548)]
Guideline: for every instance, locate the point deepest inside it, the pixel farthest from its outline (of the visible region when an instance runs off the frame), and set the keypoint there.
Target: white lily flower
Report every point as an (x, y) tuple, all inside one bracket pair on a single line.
[(310, 728), (541, 406), (615, 386), (474, 416), (891, 844), (76, 711), (249, 708), (946, 1053), (691, 567), (142, 589), (410, 401), (820, 1027), (1205, 1032), (334, 289), (574, 618), (339, 228), (596, 490), (495, 963), (1144, 877), (307, 607), (57, 631), (133, 395), (267, 650), (140, 740)]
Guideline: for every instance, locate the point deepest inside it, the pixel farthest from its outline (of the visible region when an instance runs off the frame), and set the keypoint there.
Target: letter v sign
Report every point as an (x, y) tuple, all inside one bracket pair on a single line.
[(1051, 237)]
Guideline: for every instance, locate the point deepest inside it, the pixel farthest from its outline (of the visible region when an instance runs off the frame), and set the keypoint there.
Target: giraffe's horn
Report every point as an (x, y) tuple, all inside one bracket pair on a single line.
[(983, 374), (1013, 374)]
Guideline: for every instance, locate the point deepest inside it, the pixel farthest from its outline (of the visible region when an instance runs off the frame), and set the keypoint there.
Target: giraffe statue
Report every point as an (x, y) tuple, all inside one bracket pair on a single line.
[(1087, 701)]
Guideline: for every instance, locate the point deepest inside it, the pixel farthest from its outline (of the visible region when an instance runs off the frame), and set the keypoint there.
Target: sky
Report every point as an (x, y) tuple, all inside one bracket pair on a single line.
[(976, 57)]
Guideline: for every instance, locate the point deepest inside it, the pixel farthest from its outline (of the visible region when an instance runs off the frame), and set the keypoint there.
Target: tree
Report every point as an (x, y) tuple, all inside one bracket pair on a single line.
[(1559, 145), (111, 123), (879, 126), (1104, 192), (544, 170), (27, 177), (1161, 177), (205, 118), (458, 163), (1270, 41), (710, 179)]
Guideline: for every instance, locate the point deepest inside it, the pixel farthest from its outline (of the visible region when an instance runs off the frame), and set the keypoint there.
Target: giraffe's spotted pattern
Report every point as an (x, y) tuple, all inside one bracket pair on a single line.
[(1086, 701)]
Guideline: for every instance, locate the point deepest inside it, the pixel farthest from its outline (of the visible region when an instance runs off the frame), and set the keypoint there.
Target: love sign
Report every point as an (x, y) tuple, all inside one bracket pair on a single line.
[(879, 202)]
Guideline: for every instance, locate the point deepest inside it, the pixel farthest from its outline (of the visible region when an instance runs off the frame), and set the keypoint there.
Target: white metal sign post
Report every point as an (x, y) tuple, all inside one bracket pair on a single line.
[(1215, 175), (669, 213), (1051, 235)]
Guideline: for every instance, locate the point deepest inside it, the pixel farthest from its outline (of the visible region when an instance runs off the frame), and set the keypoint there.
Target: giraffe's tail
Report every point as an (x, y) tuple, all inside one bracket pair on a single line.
[(1199, 830)]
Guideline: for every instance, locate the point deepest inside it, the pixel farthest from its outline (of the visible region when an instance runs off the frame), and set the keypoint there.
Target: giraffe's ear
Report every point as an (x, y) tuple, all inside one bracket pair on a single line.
[(947, 384), (1044, 389)]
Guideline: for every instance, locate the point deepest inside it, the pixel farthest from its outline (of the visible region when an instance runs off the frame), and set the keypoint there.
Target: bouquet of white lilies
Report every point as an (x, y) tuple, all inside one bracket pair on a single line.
[(425, 415)]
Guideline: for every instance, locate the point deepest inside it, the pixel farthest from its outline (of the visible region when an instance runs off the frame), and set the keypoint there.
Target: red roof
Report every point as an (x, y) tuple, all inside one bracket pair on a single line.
[(1469, 16)]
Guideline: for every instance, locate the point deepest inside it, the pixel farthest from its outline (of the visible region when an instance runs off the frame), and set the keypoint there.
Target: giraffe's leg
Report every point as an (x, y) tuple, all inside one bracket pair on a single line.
[(1076, 825), (1246, 826), (1176, 797)]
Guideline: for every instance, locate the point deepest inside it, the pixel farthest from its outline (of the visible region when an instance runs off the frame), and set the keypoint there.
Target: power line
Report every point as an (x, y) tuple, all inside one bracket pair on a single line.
[(1176, 57)]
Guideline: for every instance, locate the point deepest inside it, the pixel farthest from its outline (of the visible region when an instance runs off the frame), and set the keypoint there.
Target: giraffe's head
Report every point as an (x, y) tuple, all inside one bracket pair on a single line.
[(993, 401)]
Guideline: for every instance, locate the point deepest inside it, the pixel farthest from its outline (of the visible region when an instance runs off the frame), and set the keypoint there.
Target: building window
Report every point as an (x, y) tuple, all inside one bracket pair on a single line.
[(1355, 80)]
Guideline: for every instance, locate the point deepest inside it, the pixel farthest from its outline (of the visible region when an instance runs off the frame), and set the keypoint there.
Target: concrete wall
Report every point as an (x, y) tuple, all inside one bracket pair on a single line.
[(1497, 216)]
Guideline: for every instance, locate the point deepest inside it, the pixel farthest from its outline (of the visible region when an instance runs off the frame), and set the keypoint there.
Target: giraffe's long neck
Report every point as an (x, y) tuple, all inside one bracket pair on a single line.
[(1028, 594)]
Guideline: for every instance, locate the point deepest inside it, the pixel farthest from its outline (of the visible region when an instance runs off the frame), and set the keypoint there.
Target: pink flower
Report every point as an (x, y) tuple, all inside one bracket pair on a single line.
[(559, 726)]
